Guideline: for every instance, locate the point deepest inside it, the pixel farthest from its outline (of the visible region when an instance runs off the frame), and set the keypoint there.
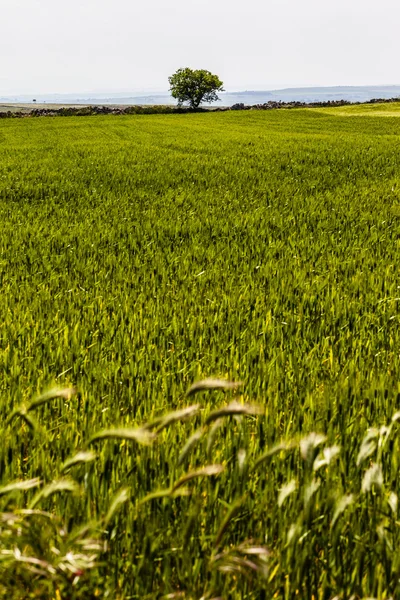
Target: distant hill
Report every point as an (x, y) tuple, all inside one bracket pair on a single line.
[(350, 93), (308, 94)]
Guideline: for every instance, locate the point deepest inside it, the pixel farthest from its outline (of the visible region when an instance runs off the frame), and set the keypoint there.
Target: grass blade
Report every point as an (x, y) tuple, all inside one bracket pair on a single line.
[(231, 514), (52, 394), (78, 459), (234, 409), (119, 499), (372, 477), (172, 417), (281, 447), (140, 435), (56, 487), (19, 486), (204, 472), (191, 442), (213, 384)]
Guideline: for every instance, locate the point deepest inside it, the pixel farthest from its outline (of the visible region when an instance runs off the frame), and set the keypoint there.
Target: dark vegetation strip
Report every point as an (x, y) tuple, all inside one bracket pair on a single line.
[(87, 111)]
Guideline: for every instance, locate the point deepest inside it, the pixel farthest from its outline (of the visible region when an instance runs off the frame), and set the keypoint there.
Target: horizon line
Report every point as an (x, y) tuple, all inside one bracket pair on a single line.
[(237, 90)]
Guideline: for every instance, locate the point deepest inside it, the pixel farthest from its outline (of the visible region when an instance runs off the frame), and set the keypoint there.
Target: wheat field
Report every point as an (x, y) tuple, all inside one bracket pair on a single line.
[(256, 251)]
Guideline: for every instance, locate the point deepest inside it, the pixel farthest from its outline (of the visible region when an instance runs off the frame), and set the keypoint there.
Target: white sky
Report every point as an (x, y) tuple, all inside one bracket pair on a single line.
[(61, 46)]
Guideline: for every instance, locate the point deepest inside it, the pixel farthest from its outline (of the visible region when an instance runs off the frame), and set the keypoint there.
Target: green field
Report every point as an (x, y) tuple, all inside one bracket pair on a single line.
[(139, 254)]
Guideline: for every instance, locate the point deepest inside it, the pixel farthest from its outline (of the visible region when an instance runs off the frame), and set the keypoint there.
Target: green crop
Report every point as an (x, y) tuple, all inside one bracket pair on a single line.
[(140, 254)]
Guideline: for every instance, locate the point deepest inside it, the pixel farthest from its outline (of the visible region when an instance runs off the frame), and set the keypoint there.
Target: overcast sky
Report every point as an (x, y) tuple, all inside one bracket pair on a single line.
[(54, 46)]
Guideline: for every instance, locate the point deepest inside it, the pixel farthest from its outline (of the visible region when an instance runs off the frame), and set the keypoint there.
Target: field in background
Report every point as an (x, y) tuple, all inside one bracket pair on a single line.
[(141, 253), (366, 110), (28, 107)]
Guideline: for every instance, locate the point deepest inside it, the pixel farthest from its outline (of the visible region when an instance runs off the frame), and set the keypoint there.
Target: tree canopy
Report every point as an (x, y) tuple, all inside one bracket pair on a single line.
[(194, 87)]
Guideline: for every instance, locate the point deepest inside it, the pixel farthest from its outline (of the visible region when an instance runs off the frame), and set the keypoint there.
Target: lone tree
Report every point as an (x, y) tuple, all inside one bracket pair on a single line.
[(194, 87)]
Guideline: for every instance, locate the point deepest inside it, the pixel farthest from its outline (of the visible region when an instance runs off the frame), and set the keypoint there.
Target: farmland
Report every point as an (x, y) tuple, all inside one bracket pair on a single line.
[(139, 254)]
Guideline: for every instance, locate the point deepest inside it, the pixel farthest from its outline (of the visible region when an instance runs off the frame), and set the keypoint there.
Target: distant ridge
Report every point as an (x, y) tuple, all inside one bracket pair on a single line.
[(248, 97), (320, 94)]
